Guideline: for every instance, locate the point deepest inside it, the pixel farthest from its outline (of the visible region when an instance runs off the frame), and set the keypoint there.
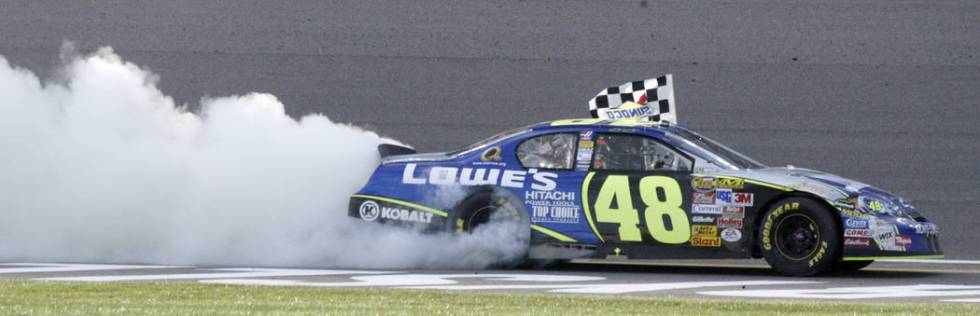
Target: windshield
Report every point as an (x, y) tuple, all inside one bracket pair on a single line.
[(492, 139), (713, 151)]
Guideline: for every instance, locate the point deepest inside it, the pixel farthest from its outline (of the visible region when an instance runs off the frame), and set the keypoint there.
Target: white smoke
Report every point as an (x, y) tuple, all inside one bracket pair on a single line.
[(100, 166)]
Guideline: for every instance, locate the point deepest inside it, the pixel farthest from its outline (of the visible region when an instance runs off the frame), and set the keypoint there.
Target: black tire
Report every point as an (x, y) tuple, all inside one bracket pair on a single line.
[(800, 237), (845, 266), (482, 206)]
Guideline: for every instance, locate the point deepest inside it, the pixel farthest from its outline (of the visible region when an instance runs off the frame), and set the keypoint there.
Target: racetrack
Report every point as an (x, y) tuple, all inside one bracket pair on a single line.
[(880, 91), (951, 282)]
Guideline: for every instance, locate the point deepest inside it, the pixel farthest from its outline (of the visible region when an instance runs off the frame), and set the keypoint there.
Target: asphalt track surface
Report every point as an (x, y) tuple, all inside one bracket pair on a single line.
[(951, 282), (886, 92)]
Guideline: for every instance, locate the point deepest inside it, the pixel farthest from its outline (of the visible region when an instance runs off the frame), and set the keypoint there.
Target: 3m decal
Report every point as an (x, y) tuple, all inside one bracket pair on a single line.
[(665, 220), (742, 199)]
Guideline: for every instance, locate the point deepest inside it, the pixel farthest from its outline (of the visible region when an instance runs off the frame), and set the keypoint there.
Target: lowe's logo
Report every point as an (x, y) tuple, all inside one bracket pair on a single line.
[(539, 180)]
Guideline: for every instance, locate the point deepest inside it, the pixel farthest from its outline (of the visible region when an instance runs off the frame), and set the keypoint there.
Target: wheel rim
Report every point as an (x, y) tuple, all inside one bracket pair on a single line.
[(483, 214), (797, 237)]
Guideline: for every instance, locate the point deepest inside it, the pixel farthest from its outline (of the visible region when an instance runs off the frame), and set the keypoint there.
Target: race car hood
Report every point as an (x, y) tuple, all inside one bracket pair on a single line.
[(826, 185)]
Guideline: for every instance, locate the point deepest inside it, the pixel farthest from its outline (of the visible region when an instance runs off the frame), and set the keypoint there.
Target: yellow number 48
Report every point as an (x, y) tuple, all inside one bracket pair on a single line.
[(657, 208)]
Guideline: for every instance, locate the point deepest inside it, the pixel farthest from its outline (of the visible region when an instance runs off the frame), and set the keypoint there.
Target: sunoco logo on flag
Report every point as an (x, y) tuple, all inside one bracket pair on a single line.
[(651, 99)]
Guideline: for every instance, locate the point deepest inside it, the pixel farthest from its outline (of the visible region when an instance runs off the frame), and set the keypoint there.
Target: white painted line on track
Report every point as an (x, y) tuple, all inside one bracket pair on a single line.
[(231, 273), (409, 280), (963, 300), (939, 261), (855, 293), (58, 267)]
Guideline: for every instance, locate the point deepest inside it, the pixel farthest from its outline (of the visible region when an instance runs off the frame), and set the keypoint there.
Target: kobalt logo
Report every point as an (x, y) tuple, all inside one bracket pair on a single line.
[(401, 214), (544, 181), (369, 211)]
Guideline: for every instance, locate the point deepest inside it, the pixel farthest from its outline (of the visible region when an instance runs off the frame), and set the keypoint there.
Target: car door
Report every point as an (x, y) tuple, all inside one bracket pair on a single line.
[(638, 192), (556, 163)]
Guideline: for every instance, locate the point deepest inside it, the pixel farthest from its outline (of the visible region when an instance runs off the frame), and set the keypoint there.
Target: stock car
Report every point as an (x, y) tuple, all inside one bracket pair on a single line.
[(621, 189)]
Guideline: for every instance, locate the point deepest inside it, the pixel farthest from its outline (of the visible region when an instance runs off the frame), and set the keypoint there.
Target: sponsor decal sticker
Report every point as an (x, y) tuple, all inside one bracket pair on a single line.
[(731, 234), (712, 183), (856, 223), (491, 154), (705, 209), (857, 242), (400, 214), (724, 196), (725, 222), (536, 180), (702, 219), (770, 220), (704, 230), (903, 241), (706, 198), (702, 241), (733, 211), (553, 206), (926, 229), (369, 211), (857, 233), (742, 199)]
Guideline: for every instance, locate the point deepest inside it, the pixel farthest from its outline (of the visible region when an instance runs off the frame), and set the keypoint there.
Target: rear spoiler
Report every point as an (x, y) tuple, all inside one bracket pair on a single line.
[(394, 150)]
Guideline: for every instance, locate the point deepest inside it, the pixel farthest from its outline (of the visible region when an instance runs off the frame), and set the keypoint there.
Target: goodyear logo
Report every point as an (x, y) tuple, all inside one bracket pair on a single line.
[(712, 183)]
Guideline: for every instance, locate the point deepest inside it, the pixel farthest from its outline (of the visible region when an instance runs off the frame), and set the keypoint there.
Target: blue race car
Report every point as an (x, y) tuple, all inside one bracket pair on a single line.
[(631, 189)]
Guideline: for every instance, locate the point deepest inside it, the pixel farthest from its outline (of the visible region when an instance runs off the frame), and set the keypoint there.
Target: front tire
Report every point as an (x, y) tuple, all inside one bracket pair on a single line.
[(800, 237), (845, 266)]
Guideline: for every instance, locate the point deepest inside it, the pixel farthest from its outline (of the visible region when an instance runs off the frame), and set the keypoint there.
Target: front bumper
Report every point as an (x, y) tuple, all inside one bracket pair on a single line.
[(884, 237)]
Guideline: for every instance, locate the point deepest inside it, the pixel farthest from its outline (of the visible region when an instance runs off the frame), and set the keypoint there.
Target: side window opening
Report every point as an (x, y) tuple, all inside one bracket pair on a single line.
[(550, 151), (626, 152)]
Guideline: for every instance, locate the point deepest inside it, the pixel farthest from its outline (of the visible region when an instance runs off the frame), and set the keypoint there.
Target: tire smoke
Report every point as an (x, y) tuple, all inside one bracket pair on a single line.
[(98, 165)]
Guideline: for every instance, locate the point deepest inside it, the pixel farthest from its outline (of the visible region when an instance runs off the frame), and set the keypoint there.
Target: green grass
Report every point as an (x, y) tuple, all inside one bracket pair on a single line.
[(60, 298)]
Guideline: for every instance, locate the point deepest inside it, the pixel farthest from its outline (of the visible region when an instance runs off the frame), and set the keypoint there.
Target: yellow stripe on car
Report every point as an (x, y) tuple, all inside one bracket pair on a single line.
[(553, 234), (400, 202), (585, 204)]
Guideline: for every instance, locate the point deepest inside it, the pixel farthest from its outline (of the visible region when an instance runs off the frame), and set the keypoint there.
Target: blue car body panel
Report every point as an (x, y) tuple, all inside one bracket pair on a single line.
[(721, 209)]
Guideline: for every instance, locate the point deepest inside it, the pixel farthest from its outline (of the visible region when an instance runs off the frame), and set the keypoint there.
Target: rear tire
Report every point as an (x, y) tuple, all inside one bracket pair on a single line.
[(800, 237), (488, 206)]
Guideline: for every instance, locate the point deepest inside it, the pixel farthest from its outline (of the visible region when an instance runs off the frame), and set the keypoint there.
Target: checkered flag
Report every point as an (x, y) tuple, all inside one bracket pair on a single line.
[(651, 99)]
